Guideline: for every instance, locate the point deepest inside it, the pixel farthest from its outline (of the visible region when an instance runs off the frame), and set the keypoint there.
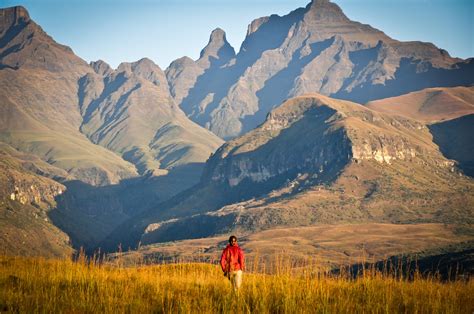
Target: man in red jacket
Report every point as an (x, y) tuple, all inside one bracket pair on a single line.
[(232, 262)]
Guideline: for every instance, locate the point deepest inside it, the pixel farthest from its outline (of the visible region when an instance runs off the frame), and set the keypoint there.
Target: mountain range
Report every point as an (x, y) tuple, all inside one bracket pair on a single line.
[(312, 49), (327, 122)]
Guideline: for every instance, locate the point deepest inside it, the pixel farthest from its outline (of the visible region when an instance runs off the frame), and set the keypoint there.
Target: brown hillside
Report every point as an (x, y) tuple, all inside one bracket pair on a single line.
[(429, 105)]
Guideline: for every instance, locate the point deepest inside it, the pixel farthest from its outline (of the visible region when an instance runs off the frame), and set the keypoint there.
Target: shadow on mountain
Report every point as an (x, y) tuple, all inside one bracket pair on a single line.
[(455, 139), (11, 33), (411, 75), (215, 80), (88, 214), (109, 88), (277, 87)]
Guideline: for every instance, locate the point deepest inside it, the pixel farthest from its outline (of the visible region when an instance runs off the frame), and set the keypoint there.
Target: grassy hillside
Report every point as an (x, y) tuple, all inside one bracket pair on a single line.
[(30, 285)]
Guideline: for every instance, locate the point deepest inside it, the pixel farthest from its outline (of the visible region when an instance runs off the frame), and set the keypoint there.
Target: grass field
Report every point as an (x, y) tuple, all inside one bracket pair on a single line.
[(41, 285)]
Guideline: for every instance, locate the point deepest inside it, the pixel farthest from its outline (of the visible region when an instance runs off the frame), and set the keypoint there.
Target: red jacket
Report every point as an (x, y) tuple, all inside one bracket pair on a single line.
[(232, 258)]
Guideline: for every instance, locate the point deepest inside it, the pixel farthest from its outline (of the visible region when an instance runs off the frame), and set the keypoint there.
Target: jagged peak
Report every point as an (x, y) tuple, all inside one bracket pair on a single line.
[(144, 68), (218, 34), (144, 64), (217, 45), (324, 11), (101, 67), (13, 16), (180, 63)]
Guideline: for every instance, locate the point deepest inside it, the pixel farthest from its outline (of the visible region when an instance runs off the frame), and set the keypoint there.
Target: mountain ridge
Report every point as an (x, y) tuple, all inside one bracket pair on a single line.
[(312, 49)]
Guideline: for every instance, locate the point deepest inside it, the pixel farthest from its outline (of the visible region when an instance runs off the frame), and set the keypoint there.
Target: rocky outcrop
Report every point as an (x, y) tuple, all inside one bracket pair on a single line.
[(315, 135)]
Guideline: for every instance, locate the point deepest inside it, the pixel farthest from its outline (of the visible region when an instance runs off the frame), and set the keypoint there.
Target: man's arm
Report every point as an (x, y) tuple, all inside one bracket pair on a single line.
[(223, 260)]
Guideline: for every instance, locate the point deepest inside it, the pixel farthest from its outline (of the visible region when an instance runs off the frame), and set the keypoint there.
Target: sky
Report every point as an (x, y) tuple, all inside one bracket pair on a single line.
[(163, 30)]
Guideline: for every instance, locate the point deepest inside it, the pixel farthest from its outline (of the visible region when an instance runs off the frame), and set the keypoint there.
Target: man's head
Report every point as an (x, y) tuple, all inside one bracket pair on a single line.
[(233, 240)]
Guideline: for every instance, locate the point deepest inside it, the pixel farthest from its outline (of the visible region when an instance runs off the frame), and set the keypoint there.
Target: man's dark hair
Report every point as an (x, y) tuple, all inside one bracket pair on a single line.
[(231, 238)]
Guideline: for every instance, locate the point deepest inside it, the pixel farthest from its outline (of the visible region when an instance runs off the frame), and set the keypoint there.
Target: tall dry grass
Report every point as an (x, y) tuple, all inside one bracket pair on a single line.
[(42, 285)]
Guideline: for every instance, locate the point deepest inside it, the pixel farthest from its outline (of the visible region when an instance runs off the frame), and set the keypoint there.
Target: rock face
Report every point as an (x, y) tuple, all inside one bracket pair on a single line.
[(316, 135), (312, 49), (182, 75), (320, 160)]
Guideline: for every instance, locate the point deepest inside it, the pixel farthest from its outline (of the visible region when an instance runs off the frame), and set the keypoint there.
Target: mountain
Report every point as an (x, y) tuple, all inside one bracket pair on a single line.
[(183, 73), (312, 49), (96, 157), (39, 111), (315, 160)]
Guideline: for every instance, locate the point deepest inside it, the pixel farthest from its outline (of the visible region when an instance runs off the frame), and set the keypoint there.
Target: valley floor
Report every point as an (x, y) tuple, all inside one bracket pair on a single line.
[(52, 286)]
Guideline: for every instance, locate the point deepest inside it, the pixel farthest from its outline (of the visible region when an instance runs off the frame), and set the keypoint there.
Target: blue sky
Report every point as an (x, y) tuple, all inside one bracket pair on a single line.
[(164, 30)]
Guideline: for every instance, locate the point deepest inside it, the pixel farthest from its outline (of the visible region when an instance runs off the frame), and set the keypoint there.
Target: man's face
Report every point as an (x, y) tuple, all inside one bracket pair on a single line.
[(233, 242)]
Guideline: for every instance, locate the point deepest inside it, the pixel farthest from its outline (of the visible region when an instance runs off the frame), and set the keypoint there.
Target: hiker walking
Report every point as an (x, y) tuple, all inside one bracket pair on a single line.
[(232, 262)]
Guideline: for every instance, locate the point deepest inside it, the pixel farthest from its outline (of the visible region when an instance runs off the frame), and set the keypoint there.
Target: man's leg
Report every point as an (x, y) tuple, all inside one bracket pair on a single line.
[(237, 279)]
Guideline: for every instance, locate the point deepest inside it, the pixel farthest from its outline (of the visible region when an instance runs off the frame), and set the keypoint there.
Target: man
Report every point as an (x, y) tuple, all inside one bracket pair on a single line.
[(232, 263)]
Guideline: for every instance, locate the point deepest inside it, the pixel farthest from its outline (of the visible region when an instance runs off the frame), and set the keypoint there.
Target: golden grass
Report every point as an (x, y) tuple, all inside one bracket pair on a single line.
[(42, 285)]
